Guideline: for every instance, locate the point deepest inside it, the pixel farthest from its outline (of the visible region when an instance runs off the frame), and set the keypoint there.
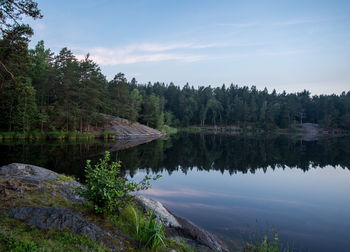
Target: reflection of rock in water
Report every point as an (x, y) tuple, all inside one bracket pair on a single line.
[(126, 143), (311, 132)]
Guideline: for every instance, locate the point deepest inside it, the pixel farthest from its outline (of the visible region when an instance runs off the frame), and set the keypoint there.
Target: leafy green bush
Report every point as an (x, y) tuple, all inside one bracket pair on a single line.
[(106, 188)]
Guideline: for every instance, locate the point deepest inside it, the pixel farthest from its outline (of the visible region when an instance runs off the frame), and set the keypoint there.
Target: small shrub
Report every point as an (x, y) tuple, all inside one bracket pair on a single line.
[(106, 188)]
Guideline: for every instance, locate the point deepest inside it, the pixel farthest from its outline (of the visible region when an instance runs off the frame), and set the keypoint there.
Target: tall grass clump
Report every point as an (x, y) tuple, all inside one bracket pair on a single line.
[(267, 246), (143, 227), (149, 231)]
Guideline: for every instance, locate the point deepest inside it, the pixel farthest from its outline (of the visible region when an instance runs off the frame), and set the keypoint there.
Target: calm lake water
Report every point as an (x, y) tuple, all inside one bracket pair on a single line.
[(235, 187)]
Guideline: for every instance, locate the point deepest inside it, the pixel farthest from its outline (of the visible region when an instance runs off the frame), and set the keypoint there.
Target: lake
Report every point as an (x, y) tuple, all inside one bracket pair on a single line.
[(238, 188)]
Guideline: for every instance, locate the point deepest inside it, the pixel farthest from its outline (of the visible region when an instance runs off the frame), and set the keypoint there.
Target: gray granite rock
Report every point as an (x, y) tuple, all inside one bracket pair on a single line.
[(67, 189), (181, 229), (127, 129), (159, 211), (35, 175), (29, 173)]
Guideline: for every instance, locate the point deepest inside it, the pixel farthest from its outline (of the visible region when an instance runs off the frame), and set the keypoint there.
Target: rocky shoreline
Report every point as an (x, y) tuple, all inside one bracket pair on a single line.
[(45, 199), (124, 129)]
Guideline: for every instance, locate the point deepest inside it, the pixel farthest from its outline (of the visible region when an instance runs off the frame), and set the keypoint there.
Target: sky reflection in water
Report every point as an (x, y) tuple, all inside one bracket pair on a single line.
[(309, 207)]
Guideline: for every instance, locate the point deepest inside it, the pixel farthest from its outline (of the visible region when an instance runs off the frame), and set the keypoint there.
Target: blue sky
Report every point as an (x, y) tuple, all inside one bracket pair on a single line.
[(286, 45)]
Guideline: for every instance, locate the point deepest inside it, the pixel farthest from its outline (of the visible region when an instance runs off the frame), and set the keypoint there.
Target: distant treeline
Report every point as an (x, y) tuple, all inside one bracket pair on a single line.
[(43, 91), (59, 92)]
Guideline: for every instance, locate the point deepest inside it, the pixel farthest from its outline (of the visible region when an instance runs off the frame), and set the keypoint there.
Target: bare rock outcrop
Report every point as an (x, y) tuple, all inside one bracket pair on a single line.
[(179, 228), (126, 129)]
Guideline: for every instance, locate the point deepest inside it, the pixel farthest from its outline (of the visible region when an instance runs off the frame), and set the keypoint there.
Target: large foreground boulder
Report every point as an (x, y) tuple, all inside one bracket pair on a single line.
[(31, 173), (181, 229), (22, 177)]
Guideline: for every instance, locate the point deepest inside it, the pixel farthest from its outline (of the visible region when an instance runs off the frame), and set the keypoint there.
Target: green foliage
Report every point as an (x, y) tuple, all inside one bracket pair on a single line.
[(10, 243), (57, 135), (168, 129), (105, 186), (151, 232), (18, 236), (144, 227), (41, 90), (108, 135), (267, 246)]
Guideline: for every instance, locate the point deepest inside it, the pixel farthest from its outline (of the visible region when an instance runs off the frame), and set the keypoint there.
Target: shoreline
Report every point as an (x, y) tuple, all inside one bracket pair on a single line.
[(46, 200)]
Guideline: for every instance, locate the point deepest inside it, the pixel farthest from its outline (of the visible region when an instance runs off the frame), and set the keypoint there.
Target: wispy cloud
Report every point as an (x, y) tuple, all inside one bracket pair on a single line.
[(148, 52)]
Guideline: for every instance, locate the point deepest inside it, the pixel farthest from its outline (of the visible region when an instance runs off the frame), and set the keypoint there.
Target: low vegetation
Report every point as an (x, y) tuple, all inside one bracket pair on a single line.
[(142, 226), (106, 189), (18, 236), (267, 245)]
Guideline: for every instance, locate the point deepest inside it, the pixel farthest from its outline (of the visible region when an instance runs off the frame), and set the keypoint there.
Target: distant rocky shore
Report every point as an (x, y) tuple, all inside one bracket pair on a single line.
[(124, 129), (43, 198)]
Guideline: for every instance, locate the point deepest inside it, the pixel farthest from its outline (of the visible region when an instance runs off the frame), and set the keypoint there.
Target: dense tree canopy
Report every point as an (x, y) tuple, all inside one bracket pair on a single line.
[(47, 91)]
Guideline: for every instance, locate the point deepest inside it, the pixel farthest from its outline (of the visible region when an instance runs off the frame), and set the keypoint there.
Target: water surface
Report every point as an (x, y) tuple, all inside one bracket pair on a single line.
[(232, 186)]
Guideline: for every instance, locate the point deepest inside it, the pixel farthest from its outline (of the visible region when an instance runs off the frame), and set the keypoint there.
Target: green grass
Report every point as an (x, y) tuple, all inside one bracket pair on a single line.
[(57, 135), (54, 135), (107, 135), (63, 177), (169, 130), (7, 135), (19, 236), (267, 245), (145, 228), (35, 135)]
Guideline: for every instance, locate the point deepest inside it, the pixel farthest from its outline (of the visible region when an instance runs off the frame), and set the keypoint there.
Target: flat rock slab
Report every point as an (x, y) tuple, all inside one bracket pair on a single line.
[(61, 218), (126, 129)]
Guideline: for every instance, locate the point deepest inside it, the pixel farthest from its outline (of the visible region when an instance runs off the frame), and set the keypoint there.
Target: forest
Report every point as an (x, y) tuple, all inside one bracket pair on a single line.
[(45, 91)]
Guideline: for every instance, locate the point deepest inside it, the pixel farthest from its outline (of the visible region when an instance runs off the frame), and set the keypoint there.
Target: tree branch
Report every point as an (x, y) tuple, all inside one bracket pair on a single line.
[(11, 74)]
